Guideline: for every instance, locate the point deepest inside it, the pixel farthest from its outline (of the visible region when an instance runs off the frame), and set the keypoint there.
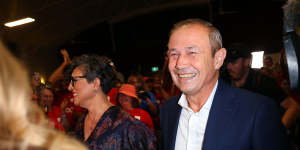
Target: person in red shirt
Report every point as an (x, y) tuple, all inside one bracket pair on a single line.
[(54, 113), (129, 101), (112, 94)]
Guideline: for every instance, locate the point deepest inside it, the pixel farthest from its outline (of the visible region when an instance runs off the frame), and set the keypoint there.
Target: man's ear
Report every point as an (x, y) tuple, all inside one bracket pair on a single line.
[(219, 58)]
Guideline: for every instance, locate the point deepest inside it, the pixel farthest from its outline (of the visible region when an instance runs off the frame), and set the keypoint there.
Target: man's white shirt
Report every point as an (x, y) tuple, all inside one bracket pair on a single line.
[(192, 125)]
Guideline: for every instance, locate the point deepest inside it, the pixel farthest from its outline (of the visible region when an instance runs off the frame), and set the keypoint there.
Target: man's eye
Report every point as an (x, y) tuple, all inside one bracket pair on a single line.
[(192, 53), (173, 54)]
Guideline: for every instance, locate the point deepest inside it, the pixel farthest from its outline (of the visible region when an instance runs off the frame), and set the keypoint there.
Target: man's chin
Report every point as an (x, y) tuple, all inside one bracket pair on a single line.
[(186, 90), (233, 76)]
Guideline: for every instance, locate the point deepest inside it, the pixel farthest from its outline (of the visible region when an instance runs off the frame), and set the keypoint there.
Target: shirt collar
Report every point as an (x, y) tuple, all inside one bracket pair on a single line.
[(184, 103)]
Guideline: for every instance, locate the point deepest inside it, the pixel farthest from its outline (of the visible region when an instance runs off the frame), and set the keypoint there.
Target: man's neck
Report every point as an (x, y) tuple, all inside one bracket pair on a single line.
[(196, 101)]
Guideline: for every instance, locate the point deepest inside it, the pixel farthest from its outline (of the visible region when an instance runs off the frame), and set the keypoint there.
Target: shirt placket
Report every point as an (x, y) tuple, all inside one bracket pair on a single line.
[(194, 132)]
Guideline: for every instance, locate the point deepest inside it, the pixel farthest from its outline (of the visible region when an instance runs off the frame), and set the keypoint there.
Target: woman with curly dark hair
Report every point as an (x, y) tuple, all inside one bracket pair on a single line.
[(104, 126)]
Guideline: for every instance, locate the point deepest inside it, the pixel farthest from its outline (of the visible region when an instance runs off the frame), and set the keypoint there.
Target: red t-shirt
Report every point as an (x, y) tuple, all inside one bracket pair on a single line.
[(70, 108), (55, 117), (112, 94), (143, 116)]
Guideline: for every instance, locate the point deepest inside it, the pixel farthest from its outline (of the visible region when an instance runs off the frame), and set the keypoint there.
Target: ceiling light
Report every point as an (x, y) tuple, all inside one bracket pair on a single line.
[(19, 22)]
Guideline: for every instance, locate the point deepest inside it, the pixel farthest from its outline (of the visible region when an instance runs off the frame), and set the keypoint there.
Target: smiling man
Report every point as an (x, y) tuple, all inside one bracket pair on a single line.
[(209, 114)]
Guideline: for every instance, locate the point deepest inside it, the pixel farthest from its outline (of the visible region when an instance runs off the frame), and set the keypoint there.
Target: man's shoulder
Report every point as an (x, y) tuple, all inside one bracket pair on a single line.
[(242, 96)]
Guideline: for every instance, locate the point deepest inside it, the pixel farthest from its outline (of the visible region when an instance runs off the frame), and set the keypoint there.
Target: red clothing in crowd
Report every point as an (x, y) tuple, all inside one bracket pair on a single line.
[(70, 108), (112, 94), (55, 117), (143, 116)]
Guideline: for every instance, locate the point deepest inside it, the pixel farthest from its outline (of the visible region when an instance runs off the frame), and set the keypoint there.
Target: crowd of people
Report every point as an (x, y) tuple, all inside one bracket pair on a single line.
[(193, 103)]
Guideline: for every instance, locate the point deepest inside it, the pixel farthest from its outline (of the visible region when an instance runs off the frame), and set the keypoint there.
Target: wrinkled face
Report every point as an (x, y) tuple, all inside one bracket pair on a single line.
[(46, 98), (125, 101), (191, 63), (82, 91), (237, 68)]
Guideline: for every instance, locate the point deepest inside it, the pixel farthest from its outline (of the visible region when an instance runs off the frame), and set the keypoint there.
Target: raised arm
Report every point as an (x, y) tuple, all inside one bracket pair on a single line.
[(58, 73)]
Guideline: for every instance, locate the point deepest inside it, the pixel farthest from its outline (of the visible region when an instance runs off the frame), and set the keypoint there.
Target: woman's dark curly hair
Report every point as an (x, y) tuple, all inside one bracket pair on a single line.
[(95, 66)]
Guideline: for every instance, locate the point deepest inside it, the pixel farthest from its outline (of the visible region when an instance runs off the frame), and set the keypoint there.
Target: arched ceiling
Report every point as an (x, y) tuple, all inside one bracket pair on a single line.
[(130, 25), (58, 20)]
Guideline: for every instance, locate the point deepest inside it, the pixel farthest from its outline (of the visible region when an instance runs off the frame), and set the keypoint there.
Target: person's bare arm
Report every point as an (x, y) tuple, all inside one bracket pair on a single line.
[(58, 73), (292, 112)]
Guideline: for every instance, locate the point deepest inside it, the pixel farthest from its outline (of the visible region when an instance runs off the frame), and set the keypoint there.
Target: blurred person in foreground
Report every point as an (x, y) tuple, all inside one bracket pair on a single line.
[(21, 121), (105, 126), (210, 114)]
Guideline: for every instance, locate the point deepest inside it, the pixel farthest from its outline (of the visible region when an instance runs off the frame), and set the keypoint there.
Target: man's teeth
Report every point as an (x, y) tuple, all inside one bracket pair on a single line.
[(187, 75)]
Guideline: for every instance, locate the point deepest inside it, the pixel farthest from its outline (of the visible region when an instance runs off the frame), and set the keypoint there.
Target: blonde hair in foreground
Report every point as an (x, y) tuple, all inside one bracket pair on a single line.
[(21, 121)]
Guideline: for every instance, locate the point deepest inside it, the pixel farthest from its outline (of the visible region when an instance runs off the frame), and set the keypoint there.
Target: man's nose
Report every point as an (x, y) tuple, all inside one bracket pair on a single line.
[(181, 62)]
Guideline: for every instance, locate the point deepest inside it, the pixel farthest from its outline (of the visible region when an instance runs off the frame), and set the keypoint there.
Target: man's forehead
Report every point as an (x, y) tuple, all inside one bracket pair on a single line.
[(187, 36), (46, 91)]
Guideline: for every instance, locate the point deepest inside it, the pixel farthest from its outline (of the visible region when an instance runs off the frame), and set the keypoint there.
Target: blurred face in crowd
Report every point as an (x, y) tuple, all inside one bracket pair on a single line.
[(47, 97), (149, 85), (34, 95), (82, 91), (118, 84), (156, 82), (134, 81), (35, 80), (191, 63), (238, 68), (268, 62), (125, 101)]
